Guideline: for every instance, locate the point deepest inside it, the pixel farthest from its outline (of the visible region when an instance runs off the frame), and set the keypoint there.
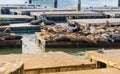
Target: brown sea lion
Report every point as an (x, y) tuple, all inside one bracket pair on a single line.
[(92, 38), (7, 30), (61, 38)]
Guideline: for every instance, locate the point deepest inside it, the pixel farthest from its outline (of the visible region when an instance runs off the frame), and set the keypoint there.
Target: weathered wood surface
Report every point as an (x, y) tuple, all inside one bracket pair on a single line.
[(94, 71), (95, 21), (42, 43), (49, 62), (112, 14), (109, 57), (12, 67), (67, 13), (10, 43), (5, 17), (24, 26)]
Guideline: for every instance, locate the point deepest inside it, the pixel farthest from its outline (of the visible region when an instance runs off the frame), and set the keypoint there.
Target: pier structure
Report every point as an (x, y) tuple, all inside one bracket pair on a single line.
[(30, 1), (79, 5), (118, 3), (25, 27), (5, 9), (113, 14), (112, 21), (55, 3), (95, 71), (63, 16), (105, 58), (49, 62), (28, 11), (15, 19), (15, 66)]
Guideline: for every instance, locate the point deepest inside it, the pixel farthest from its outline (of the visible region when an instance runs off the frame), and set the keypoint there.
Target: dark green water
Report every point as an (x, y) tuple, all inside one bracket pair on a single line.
[(10, 51)]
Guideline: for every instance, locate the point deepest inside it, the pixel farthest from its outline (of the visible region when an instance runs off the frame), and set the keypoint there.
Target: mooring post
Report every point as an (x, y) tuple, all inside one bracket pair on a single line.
[(55, 3), (79, 5), (118, 3), (30, 1)]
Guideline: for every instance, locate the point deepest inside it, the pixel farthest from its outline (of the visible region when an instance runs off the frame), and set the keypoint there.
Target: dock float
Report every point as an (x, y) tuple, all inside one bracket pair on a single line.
[(21, 27), (43, 44), (113, 14), (17, 17), (14, 19), (63, 16), (49, 62), (105, 58), (10, 44), (12, 67), (112, 21), (28, 11), (94, 71)]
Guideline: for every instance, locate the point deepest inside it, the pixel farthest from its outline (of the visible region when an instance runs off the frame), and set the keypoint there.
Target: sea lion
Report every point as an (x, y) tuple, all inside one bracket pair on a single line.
[(36, 22), (46, 21), (76, 28), (106, 36), (61, 38), (7, 30), (92, 38), (115, 37)]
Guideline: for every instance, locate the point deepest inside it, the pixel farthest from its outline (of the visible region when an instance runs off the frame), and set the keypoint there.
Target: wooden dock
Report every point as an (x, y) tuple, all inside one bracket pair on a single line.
[(113, 14), (15, 17), (43, 44), (20, 27), (49, 62), (110, 58), (12, 67), (69, 15), (10, 44), (94, 71), (5, 8), (112, 21), (28, 11)]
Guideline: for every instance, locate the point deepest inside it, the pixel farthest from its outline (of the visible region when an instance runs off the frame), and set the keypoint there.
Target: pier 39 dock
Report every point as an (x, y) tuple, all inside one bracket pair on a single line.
[(87, 27)]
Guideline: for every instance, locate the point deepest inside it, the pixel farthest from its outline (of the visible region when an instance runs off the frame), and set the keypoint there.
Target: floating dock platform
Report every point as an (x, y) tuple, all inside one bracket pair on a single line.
[(108, 58), (15, 19), (5, 8), (94, 71), (63, 16), (12, 67), (112, 21), (21, 27), (43, 44), (10, 43), (113, 14), (49, 62), (28, 11)]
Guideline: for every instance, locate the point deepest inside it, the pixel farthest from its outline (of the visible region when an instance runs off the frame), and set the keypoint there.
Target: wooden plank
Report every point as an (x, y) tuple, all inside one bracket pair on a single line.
[(43, 44), (109, 57), (23, 26), (112, 13), (49, 62), (11, 44), (2, 17), (95, 71), (95, 21), (12, 67), (67, 13)]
